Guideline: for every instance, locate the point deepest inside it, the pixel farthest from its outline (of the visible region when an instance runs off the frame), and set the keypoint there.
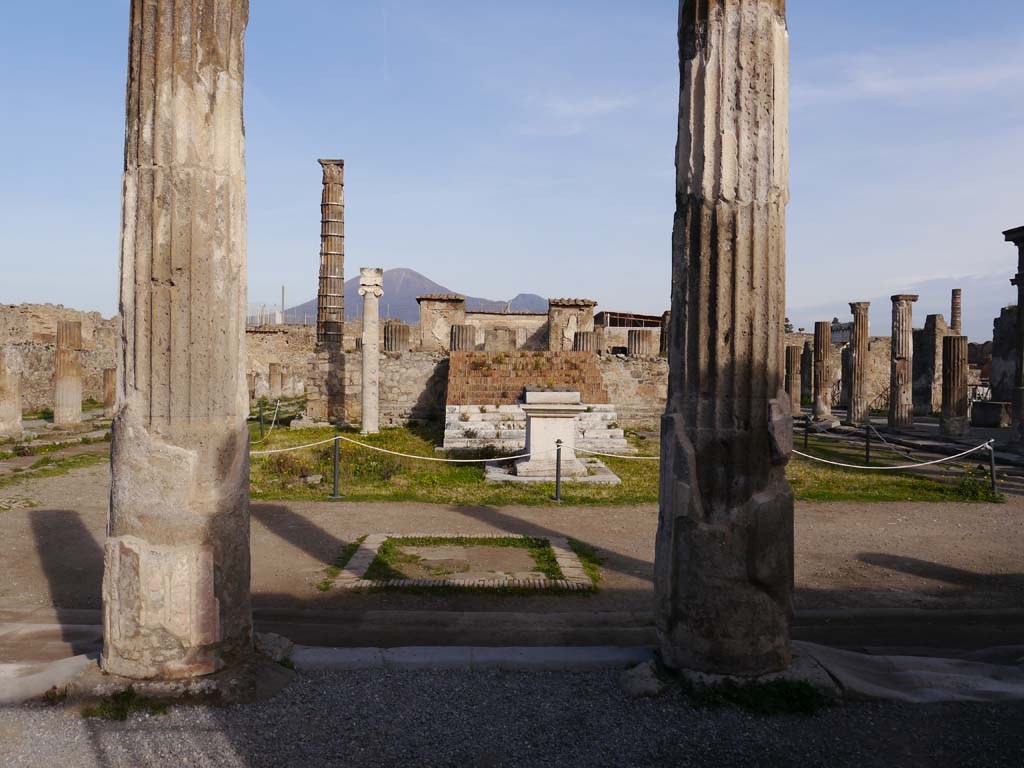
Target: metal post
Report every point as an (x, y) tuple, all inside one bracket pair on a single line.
[(261, 419), (867, 445), (558, 470), (335, 495), (992, 463), (807, 431)]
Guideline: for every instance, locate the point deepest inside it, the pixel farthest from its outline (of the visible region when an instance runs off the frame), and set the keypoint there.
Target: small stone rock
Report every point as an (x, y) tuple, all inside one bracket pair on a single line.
[(313, 479), (274, 647), (642, 680)]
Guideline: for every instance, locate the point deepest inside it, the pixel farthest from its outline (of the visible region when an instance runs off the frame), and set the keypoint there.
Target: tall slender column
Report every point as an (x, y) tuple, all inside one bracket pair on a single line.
[(109, 392), (330, 298), (859, 409), (954, 421), (724, 550), (371, 288), (10, 396), (901, 377), (793, 355), (176, 599), (1016, 236), (67, 374), (822, 369), (956, 311)]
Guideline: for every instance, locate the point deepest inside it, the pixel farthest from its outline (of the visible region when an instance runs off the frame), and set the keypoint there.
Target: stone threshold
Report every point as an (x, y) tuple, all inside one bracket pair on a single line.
[(575, 578), (602, 475)]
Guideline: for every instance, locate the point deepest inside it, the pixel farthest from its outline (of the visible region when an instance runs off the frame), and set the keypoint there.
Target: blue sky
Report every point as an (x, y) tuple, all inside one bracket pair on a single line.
[(527, 147)]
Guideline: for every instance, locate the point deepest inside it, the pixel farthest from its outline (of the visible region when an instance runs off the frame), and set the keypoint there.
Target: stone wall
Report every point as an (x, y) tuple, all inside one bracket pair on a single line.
[(413, 387), (1004, 354), (504, 427), (615, 339), (531, 329), (927, 372), (482, 378), (638, 386)]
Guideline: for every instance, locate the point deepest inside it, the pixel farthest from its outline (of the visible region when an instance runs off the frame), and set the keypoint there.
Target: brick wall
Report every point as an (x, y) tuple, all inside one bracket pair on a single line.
[(478, 378)]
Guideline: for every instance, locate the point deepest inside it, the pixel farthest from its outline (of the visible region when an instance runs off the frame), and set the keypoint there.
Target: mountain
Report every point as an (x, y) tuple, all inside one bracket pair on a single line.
[(401, 287)]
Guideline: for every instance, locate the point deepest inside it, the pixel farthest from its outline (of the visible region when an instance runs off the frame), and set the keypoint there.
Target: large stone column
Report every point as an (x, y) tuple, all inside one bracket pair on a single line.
[(822, 369), (724, 552), (397, 336), (1016, 236), (109, 392), (956, 311), (463, 338), (176, 565), (859, 408), (793, 355), (10, 396), (584, 341), (901, 376), (954, 421), (371, 288), (640, 343), (67, 374), (330, 297)]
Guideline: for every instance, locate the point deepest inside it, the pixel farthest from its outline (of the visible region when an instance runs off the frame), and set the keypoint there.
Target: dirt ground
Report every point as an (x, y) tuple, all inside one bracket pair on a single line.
[(853, 556)]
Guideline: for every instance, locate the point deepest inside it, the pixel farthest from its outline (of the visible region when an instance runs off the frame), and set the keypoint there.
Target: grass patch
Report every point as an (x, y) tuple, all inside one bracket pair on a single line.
[(42, 413), (589, 558), (778, 697), (119, 706), (55, 696), (51, 466), (332, 571), (390, 557)]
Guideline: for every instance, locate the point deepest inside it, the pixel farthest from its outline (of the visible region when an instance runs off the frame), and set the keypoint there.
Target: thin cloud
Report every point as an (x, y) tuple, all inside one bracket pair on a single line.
[(564, 115)]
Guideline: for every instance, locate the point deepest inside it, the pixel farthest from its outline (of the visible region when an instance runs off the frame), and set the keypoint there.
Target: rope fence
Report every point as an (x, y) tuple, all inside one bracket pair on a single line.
[(273, 422), (902, 466)]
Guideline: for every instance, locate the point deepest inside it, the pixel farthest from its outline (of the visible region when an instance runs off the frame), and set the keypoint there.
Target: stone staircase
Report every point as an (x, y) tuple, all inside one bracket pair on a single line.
[(503, 427)]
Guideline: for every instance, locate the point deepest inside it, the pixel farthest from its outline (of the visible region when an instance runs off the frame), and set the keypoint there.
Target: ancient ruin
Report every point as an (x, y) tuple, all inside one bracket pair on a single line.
[(67, 375), (330, 316), (275, 378), (1016, 236), (109, 392), (955, 406), (793, 355), (956, 311), (176, 597), (901, 392), (858, 404), (10, 395), (822, 370), (724, 551), (371, 288), (551, 419)]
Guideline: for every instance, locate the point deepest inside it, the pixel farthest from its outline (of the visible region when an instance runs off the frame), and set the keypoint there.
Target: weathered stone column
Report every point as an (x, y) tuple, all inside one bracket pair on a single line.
[(724, 554), (666, 328), (10, 396), (807, 372), (954, 421), (901, 377), (640, 343), (397, 336), (176, 566), (67, 374), (859, 409), (250, 383), (109, 392), (793, 355), (330, 297), (1016, 236), (822, 369), (371, 288), (584, 341), (274, 378), (956, 311), (463, 338)]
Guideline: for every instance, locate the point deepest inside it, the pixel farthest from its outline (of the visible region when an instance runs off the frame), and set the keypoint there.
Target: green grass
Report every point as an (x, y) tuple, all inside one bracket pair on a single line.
[(332, 571), (119, 706), (370, 476), (390, 557), (589, 558), (51, 466), (38, 450)]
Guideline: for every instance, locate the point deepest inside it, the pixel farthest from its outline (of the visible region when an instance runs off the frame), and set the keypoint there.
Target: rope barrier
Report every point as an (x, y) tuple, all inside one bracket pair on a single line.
[(618, 455), (395, 453), (273, 422), (904, 466)]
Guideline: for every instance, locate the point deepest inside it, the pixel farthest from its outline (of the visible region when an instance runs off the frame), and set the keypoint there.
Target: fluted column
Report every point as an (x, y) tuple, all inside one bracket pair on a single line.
[(640, 343), (793, 355), (822, 369), (724, 551), (67, 374), (330, 304), (109, 392), (397, 336), (10, 396), (956, 311), (954, 421), (463, 338), (859, 408), (584, 341), (371, 288), (901, 376), (176, 597)]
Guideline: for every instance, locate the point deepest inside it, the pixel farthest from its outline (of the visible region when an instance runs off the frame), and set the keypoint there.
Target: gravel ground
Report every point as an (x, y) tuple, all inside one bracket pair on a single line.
[(384, 718)]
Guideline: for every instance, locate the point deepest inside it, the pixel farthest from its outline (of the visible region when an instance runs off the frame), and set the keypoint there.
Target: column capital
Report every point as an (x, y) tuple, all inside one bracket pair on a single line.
[(334, 171), (909, 298), (1015, 236), (857, 307)]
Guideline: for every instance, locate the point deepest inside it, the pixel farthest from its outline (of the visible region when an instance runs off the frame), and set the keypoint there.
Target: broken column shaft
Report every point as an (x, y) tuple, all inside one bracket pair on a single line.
[(793, 355), (724, 549), (954, 421), (371, 288), (109, 392), (822, 370), (10, 396), (67, 374), (901, 377), (956, 311), (859, 405), (176, 599)]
